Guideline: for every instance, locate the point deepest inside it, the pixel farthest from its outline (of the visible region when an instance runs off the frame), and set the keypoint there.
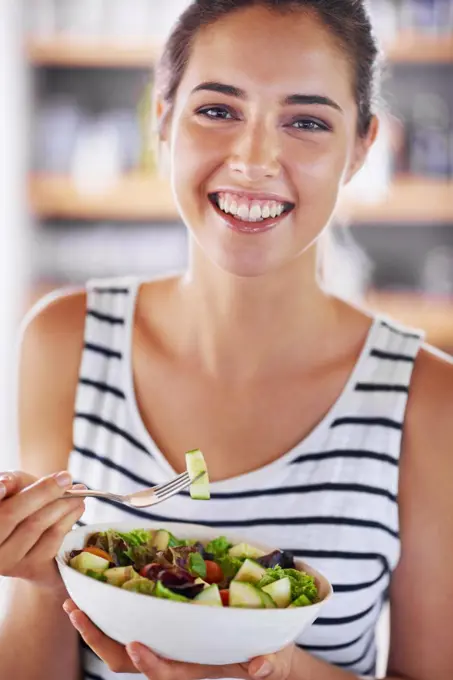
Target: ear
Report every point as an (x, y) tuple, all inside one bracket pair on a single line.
[(361, 149), (161, 118)]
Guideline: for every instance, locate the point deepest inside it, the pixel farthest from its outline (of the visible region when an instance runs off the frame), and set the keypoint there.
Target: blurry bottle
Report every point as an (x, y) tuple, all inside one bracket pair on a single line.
[(96, 165), (56, 126), (429, 136)]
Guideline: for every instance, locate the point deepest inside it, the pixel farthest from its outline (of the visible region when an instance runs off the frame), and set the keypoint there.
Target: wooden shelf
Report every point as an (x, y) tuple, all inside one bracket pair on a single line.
[(410, 199), (421, 48), (141, 197), (69, 52), (431, 314), (134, 197), (86, 53)]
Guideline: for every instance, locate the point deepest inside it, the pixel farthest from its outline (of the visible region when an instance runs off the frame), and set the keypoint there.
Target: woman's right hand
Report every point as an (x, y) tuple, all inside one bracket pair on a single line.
[(33, 523)]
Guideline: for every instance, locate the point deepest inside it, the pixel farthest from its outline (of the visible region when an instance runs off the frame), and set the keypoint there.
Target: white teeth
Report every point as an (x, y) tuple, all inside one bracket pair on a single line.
[(255, 211), (249, 211), (243, 212)]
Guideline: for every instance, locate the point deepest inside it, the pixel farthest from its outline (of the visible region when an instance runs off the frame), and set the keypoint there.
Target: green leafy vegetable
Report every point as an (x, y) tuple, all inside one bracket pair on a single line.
[(197, 565), (218, 547), (301, 582), (230, 566), (176, 542), (167, 594), (136, 537)]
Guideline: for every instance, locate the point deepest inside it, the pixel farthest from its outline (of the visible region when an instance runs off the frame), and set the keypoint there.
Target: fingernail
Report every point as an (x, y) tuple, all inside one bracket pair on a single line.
[(63, 479), (5, 477), (2, 490), (264, 671), (75, 622), (66, 607), (134, 653)]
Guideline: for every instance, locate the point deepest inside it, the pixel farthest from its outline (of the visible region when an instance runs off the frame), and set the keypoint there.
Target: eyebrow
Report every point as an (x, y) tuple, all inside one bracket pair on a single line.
[(233, 91)]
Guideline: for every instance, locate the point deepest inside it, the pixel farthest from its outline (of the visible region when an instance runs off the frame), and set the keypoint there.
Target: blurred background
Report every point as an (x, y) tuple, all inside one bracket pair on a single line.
[(80, 195)]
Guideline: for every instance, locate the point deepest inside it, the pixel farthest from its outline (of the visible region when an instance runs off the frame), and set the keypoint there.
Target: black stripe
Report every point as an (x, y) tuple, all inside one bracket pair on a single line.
[(362, 657), (403, 334), (333, 648), (105, 351), (376, 387), (381, 422), (79, 521), (265, 521), (357, 454), (112, 291), (379, 354), (371, 671), (304, 489), (103, 387), (95, 420), (114, 320), (353, 587), (113, 466), (340, 555), (338, 621)]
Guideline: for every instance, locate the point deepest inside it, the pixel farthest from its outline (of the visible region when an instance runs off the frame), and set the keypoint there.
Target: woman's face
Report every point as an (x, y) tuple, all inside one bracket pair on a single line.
[(261, 137)]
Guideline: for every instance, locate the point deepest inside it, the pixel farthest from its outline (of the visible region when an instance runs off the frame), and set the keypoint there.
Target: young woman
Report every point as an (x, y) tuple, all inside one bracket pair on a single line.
[(327, 431)]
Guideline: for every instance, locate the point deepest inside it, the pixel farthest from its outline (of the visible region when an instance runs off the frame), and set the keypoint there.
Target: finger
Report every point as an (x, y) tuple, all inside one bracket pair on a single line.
[(28, 534), (273, 666), (110, 652), (153, 666), (29, 500), (50, 542), (12, 481)]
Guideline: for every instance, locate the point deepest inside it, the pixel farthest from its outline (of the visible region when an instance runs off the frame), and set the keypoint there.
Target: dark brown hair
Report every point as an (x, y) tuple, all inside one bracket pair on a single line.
[(348, 21)]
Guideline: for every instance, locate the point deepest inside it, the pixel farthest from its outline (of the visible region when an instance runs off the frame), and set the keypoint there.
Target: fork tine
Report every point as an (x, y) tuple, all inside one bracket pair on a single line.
[(164, 493), (184, 477)]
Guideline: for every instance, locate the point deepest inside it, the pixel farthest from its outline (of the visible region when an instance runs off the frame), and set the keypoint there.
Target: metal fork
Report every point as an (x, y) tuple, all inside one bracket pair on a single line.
[(140, 499)]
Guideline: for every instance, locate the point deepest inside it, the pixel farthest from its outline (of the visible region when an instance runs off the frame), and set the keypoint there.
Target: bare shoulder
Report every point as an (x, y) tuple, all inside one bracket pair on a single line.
[(51, 343), (422, 587)]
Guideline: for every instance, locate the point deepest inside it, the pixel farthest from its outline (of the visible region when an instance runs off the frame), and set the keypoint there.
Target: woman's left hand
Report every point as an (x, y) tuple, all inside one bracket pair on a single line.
[(136, 658)]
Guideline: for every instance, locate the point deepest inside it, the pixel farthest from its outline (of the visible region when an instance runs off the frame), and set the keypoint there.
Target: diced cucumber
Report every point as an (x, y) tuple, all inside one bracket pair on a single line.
[(302, 601), (86, 561), (245, 595), (245, 550), (200, 581), (280, 592), (140, 585), (161, 540), (167, 594), (196, 465), (209, 596), (250, 572), (267, 600), (117, 576)]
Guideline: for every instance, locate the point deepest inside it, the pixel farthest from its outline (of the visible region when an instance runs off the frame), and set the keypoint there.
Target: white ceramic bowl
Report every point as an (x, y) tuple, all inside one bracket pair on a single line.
[(180, 631)]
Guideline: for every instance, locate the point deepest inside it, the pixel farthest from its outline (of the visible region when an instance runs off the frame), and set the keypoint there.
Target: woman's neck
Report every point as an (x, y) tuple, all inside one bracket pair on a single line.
[(245, 327)]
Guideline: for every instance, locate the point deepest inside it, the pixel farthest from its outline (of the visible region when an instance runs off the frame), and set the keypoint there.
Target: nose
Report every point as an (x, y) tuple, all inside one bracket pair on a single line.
[(255, 154)]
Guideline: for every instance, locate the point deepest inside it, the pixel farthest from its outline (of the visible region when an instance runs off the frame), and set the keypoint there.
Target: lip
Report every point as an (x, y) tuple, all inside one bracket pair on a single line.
[(247, 227), (253, 195)]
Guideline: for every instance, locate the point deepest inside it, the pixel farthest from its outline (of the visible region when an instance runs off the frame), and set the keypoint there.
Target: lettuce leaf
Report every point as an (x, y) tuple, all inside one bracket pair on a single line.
[(219, 547), (197, 565), (230, 567), (301, 582)]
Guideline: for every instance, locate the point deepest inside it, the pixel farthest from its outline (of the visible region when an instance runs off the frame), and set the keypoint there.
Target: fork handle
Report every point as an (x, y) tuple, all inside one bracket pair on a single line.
[(88, 493)]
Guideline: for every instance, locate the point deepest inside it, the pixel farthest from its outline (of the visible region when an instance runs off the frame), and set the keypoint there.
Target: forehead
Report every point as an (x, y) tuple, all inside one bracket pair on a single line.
[(256, 47)]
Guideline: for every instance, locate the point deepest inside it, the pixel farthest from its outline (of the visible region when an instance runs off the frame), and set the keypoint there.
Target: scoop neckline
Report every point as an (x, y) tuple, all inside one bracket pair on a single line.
[(238, 481)]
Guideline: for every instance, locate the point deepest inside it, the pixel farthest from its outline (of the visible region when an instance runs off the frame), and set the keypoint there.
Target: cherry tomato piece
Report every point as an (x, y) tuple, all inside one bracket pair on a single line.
[(214, 573), (225, 595)]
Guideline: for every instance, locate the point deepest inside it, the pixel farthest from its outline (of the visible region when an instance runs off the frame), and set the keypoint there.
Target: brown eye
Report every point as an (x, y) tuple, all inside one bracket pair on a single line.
[(309, 124), (215, 113)]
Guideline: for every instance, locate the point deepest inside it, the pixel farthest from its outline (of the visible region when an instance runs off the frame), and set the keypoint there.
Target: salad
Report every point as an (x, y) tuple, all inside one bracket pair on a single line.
[(217, 573)]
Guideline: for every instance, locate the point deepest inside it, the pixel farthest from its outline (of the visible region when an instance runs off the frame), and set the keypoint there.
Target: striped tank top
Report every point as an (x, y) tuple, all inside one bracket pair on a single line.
[(332, 499)]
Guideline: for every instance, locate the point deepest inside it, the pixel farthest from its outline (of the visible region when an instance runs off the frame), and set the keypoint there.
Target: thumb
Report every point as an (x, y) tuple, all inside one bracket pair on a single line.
[(269, 667)]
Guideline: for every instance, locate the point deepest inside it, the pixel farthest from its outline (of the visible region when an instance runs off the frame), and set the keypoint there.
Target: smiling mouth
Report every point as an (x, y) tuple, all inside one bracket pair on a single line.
[(250, 215)]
